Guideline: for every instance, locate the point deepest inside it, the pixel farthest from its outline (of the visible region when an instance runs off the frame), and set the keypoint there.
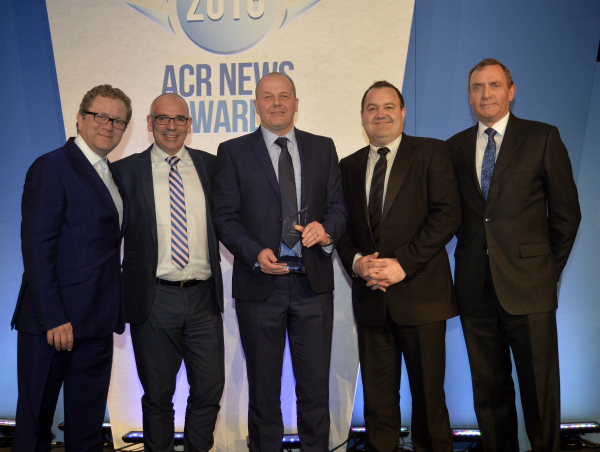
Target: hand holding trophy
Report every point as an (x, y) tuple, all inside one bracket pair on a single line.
[(291, 238)]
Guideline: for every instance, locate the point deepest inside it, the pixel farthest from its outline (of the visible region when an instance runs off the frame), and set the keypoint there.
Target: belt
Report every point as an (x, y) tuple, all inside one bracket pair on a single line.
[(184, 283)]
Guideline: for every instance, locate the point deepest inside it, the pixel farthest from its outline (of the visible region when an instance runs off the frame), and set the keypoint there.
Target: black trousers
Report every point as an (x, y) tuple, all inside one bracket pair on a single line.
[(42, 370), (424, 349), (490, 334), (308, 320), (184, 323)]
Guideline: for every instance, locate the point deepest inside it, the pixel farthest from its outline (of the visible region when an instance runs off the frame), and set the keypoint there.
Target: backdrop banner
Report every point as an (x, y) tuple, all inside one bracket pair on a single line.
[(212, 52)]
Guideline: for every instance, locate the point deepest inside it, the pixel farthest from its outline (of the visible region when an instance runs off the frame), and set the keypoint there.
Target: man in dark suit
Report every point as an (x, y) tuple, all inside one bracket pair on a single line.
[(404, 208), (260, 180), (172, 279), (74, 211), (520, 215)]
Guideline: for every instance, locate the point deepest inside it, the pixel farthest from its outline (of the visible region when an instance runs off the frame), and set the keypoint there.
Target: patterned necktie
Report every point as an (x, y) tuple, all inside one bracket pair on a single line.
[(106, 176), (376, 193), (488, 163), (179, 240), (287, 184)]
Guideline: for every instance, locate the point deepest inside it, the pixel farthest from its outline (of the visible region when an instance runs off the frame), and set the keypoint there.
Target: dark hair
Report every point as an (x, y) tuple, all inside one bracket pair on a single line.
[(104, 91), (490, 62), (382, 84)]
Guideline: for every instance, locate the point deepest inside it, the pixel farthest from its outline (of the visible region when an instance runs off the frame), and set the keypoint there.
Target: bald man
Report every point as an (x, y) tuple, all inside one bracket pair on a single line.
[(172, 279)]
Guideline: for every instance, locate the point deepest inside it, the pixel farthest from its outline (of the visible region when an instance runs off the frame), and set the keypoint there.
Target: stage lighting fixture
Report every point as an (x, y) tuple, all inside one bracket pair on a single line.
[(465, 435), (580, 427), (359, 432), (290, 441), (138, 437), (105, 427), (7, 429)]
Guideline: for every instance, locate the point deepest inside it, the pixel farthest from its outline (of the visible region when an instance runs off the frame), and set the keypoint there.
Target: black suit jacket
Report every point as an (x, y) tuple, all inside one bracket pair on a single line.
[(71, 240), (420, 215), (247, 206), (141, 244), (528, 224)]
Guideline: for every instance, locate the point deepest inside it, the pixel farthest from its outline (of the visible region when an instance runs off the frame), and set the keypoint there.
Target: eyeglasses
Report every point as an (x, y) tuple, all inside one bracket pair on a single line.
[(101, 118), (164, 120)]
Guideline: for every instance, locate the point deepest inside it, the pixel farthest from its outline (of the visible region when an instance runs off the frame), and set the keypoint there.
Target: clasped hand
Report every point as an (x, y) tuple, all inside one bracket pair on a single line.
[(379, 273)]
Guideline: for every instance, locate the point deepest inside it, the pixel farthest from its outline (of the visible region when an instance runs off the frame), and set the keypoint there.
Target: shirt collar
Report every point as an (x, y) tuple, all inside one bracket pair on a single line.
[(159, 156), (393, 147), (499, 127), (270, 137), (87, 151)]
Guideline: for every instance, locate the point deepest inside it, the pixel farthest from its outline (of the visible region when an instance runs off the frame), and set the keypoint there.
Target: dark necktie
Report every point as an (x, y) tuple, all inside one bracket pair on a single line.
[(287, 183), (376, 193), (488, 163)]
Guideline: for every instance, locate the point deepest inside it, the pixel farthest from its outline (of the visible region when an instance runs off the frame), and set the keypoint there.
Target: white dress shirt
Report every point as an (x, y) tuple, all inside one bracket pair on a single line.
[(195, 206), (371, 162), (482, 141)]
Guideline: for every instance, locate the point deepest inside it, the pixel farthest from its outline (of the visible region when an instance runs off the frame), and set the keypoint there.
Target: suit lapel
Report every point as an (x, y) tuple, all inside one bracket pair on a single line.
[(404, 157), (359, 178), (145, 169), (124, 198), (469, 148), (257, 143), (304, 150), (510, 143), (206, 187), (83, 165)]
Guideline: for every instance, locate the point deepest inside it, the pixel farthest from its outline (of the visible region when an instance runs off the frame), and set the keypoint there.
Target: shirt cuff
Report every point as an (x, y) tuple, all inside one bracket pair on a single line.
[(356, 257)]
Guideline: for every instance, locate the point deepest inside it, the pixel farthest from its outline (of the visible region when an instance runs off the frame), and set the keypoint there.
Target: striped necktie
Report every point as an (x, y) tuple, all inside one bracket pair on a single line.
[(179, 239)]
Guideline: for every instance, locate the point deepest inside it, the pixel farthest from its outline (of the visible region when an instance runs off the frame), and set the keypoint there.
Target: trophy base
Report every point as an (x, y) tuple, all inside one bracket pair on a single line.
[(293, 267)]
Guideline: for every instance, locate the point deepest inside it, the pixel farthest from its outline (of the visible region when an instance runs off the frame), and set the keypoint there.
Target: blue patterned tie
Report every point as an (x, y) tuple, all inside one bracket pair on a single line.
[(488, 163), (179, 239)]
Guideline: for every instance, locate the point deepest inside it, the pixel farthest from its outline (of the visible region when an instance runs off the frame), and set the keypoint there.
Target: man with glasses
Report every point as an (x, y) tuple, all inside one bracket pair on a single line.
[(172, 279), (74, 212)]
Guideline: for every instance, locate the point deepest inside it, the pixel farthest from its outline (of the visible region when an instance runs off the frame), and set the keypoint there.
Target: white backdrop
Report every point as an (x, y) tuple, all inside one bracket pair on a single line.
[(332, 49)]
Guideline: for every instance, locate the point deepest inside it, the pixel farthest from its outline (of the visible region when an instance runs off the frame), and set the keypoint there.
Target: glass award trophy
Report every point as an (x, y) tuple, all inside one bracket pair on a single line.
[(292, 239)]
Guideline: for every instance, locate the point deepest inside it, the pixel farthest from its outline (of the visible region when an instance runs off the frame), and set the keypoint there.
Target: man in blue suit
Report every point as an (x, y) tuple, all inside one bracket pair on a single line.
[(74, 212), (259, 180)]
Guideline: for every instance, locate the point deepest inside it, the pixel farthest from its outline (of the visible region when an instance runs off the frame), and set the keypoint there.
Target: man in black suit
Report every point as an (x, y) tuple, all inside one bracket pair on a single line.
[(261, 179), (70, 304), (520, 215), (404, 208), (172, 279)]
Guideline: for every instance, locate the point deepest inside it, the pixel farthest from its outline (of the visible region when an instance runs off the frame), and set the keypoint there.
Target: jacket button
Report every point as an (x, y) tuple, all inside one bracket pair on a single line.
[(484, 246), (487, 220), (279, 219)]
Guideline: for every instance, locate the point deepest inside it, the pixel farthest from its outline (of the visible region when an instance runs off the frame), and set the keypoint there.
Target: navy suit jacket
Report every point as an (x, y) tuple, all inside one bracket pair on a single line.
[(247, 208), (71, 241), (141, 244)]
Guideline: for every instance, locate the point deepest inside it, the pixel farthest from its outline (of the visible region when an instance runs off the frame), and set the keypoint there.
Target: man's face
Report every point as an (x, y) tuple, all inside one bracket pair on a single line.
[(169, 137), (102, 138), (382, 117), (276, 104), (489, 94)]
